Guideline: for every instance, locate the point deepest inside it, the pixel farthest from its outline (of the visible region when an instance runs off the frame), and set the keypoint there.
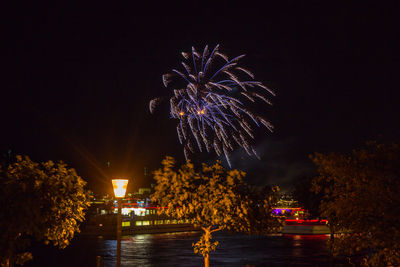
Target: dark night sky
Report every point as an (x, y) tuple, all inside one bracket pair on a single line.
[(77, 80)]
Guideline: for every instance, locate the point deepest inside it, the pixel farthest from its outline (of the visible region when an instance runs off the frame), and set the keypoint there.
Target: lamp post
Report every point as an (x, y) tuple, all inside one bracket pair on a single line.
[(119, 186)]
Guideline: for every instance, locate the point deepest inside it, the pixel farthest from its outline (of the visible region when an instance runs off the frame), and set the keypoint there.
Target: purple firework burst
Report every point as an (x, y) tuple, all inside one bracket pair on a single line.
[(209, 103)]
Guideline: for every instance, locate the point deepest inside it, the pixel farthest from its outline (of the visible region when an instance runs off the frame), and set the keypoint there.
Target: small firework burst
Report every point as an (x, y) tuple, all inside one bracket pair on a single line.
[(209, 105)]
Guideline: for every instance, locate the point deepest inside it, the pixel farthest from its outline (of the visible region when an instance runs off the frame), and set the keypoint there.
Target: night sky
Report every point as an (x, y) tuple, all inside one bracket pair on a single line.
[(77, 81)]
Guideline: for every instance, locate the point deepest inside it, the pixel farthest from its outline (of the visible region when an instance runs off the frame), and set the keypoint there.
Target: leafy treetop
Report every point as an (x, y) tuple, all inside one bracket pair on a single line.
[(214, 199), (41, 201), (361, 197)]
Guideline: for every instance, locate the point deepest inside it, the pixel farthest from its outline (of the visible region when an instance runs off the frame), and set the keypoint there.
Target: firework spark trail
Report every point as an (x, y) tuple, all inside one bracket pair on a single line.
[(208, 107)]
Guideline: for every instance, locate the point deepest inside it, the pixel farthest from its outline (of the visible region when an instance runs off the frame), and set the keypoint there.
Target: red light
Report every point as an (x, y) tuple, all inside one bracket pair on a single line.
[(305, 222)]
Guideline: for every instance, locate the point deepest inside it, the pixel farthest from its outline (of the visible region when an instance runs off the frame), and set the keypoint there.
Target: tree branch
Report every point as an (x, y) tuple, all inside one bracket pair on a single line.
[(217, 229)]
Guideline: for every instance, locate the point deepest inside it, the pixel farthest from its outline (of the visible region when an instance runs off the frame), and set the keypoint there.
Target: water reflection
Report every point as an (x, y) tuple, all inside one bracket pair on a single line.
[(301, 243), (152, 250), (175, 249), (137, 250)]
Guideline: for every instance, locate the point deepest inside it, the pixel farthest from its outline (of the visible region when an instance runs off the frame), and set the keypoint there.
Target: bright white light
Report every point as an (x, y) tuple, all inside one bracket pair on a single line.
[(125, 211), (136, 211)]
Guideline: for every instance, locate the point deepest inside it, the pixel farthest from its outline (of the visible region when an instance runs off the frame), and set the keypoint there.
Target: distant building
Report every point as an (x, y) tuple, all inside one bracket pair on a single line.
[(143, 191)]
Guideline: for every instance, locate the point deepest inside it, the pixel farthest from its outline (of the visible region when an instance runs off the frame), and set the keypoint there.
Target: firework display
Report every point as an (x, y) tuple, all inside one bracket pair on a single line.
[(212, 100)]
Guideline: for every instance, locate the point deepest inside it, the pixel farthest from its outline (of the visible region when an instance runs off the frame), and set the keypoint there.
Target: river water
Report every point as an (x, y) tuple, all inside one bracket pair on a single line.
[(175, 249)]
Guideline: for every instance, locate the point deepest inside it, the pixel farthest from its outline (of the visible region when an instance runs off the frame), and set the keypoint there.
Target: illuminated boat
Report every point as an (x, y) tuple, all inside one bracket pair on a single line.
[(138, 217), (295, 222), (302, 227)]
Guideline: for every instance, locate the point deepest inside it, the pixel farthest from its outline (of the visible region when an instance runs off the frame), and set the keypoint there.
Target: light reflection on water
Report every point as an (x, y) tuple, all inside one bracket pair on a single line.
[(153, 250), (175, 249)]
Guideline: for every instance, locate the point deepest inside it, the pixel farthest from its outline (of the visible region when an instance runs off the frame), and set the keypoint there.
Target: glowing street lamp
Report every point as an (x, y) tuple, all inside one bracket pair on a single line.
[(119, 186)]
